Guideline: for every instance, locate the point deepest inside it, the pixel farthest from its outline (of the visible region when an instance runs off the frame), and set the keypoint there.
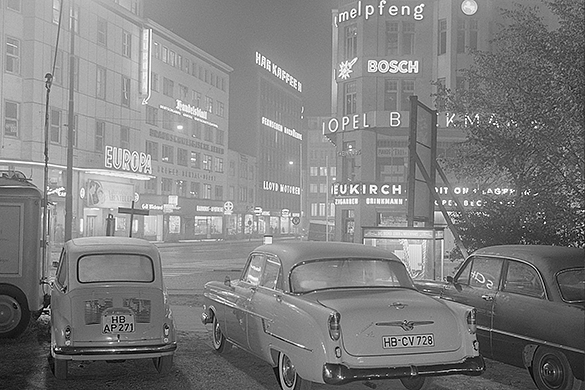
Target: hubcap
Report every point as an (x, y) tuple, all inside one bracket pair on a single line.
[(10, 313), (288, 371), (552, 372)]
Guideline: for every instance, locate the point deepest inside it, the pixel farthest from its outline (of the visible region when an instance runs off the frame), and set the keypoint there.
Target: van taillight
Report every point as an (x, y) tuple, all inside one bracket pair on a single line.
[(334, 326)]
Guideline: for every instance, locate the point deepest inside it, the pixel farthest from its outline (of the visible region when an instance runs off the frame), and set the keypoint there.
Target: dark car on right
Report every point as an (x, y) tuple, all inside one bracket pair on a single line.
[(530, 302)]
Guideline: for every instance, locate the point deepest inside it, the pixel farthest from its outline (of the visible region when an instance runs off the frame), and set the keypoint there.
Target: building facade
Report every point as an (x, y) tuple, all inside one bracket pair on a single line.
[(384, 53), (267, 116), (147, 111)]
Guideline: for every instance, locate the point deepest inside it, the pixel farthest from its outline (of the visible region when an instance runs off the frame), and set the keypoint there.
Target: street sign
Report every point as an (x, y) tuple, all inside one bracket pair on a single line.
[(128, 210), (228, 207), (285, 212), (296, 220), (258, 210)]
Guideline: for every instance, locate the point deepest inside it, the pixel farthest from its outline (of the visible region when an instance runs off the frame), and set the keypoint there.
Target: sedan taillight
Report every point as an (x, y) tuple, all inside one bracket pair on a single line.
[(471, 321), (334, 326)]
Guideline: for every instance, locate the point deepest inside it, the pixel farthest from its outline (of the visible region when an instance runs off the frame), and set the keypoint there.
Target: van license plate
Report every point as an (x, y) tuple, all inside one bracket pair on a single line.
[(118, 323)]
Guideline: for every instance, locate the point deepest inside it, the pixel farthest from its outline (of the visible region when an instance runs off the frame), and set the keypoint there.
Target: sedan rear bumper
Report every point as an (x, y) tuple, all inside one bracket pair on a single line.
[(114, 352), (338, 374)]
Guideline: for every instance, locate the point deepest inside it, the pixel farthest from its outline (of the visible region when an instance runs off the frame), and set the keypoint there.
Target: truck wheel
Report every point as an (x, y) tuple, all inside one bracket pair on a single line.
[(14, 312)]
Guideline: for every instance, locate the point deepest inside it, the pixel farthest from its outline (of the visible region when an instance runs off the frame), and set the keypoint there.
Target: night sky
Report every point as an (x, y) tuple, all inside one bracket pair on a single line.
[(296, 34)]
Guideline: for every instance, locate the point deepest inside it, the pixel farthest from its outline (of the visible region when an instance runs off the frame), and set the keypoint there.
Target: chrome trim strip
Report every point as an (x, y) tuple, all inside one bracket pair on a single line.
[(285, 340), (89, 351), (537, 341)]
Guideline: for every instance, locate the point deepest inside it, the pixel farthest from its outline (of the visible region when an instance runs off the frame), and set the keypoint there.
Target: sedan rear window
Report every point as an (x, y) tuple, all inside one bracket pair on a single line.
[(572, 285), (120, 267), (348, 273)]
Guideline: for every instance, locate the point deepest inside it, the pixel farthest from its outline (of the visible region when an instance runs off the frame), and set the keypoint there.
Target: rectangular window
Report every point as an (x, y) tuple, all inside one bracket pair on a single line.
[(167, 154), (407, 38), (182, 157), (100, 82), (100, 134), (220, 109), (154, 82), (102, 31), (11, 119), (183, 92), (56, 11), (350, 98), (473, 31), (166, 186), (195, 160), (126, 44), (165, 54), (124, 136), (206, 191), (390, 95), (407, 91), (125, 91), (12, 55), (442, 37), (152, 115), (208, 133), (209, 104), (171, 58), (196, 129), (74, 19), (13, 5), (168, 87), (195, 189), (219, 137), (218, 193), (196, 98), (350, 42), (181, 186), (218, 163), (55, 127), (167, 120), (391, 38), (207, 163), (152, 149), (460, 36)]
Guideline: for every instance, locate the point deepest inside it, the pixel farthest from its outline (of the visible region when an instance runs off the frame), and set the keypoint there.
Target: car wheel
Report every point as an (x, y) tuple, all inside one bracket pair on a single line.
[(220, 344), (416, 383), (163, 364), (551, 370), (58, 367), (287, 376), (14, 312)]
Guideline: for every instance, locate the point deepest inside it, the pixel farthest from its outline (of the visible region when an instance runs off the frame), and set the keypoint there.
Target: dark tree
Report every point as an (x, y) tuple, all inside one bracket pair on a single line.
[(524, 103)]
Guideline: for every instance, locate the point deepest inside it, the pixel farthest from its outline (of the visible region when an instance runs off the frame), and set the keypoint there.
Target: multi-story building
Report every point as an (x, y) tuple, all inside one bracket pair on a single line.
[(384, 53), (147, 111), (266, 119), (185, 133), (241, 190), (322, 174)]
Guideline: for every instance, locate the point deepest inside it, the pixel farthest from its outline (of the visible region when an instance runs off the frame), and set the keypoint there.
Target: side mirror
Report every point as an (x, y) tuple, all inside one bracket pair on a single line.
[(55, 264), (450, 279), (227, 281)]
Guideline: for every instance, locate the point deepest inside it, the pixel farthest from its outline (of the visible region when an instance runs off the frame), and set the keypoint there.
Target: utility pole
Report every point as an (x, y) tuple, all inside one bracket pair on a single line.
[(70, 125)]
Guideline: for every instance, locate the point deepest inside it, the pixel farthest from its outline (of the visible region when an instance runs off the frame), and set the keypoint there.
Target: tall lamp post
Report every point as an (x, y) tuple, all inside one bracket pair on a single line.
[(70, 130)]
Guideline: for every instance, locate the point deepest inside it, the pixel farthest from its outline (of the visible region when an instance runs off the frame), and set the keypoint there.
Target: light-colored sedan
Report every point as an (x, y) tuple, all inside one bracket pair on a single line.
[(109, 302), (337, 312)]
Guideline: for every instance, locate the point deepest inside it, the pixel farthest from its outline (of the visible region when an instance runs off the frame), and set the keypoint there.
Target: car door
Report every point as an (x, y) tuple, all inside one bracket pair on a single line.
[(266, 314), (243, 290), (518, 312), (476, 284)]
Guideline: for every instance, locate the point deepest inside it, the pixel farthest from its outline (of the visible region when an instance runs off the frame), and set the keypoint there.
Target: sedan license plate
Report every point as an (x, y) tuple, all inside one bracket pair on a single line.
[(408, 341), (118, 323)]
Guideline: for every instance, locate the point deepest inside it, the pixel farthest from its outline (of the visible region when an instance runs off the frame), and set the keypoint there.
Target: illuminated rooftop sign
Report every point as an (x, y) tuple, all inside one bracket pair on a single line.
[(382, 9), (283, 129), (278, 72)]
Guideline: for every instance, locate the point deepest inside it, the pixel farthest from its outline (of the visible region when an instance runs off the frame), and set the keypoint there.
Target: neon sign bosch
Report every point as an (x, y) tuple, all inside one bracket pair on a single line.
[(369, 10)]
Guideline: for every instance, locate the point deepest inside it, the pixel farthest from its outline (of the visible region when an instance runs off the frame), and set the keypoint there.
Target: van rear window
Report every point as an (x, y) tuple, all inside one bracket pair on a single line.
[(120, 267)]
